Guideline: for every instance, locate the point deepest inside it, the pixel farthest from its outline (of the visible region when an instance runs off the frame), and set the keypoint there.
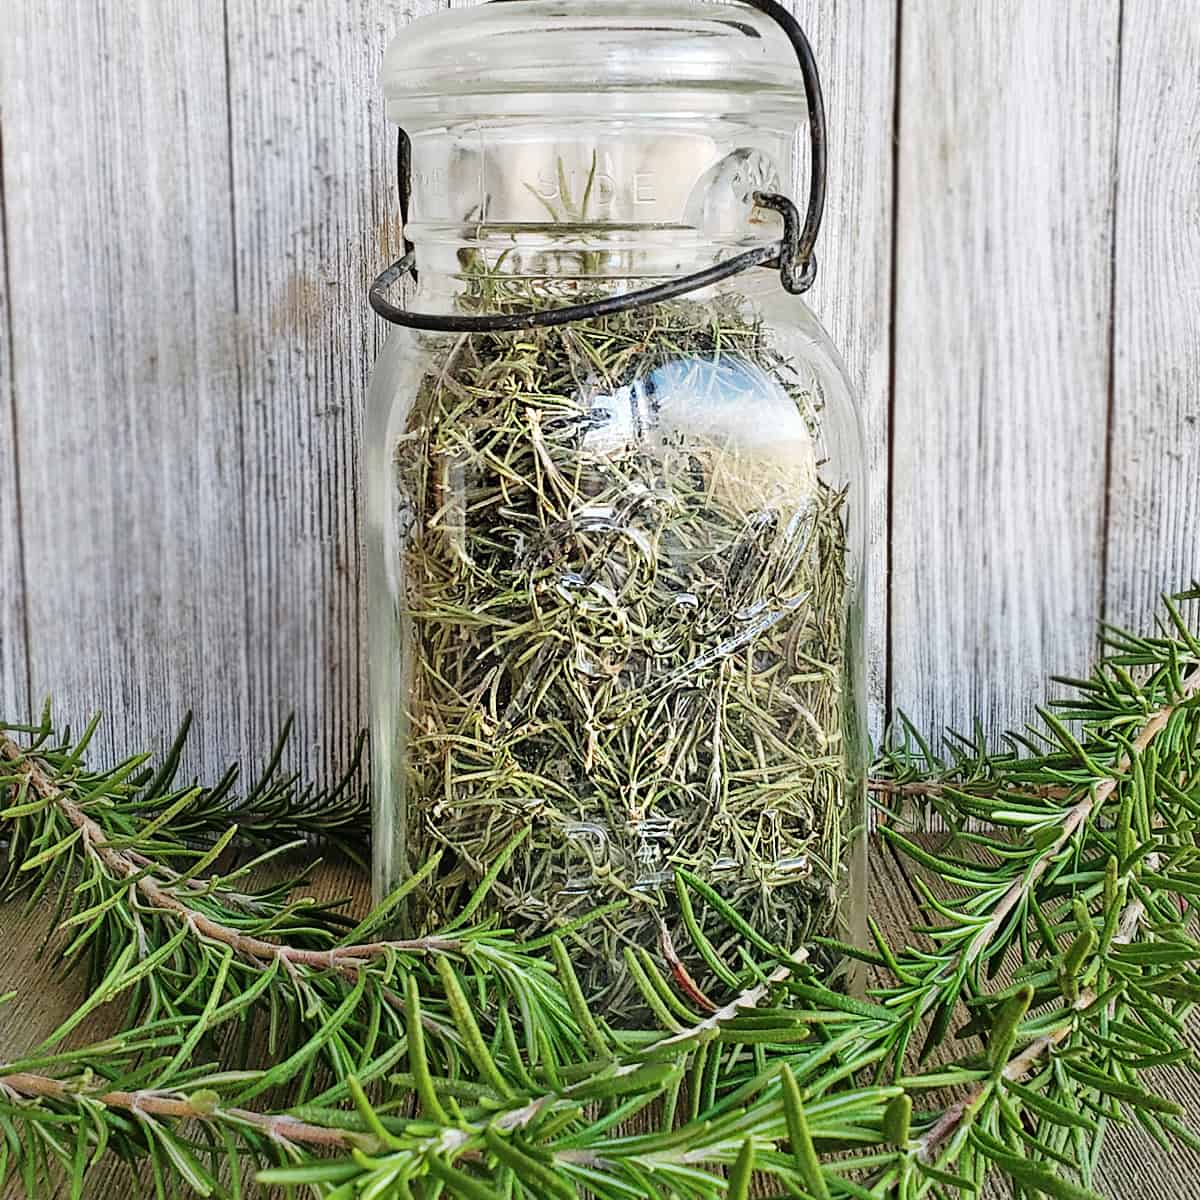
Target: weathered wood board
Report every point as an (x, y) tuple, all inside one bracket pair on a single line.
[(855, 44), (13, 678), (128, 423), (315, 218), (195, 195), (1153, 534), (1003, 310)]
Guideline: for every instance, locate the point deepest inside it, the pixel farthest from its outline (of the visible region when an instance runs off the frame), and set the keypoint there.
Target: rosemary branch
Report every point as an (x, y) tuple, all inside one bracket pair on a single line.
[(451, 1142), (139, 871), (1074, 818), (1021, 1065), (927, 788)]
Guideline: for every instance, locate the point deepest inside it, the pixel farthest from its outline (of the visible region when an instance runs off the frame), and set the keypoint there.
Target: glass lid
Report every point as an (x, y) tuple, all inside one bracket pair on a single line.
[(477, 59)]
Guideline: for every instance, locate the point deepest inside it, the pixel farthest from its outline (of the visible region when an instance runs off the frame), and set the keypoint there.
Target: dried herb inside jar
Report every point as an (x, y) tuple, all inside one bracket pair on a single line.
[(623, 591)]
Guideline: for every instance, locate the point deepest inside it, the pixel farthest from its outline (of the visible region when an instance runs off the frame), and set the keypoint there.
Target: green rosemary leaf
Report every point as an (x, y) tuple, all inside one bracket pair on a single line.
[(493, 873), (807, 1162), (1029, 1174), (52, 852), (460, 1183), (624, 1082), (1048, 1109), (651, 992), (897, 1118), (579, 1007), (741, 1174), (1127, 1093), (826, 998), (939, 1026), (468, 1028), (369, 1117), (309, 1174), (181, 1158), (418, 1061), (729, 914), (1004, 1030), (532, 1172), (327, 1030), (205, 1021)]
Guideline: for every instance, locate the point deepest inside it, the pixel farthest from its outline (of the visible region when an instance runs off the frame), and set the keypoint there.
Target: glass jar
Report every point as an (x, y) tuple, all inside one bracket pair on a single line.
[(616, 565)]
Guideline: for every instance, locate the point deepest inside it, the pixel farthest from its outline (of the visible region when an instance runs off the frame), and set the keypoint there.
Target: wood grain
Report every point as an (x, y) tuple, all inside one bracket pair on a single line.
[(313, 194), (120, 264), (189, 481), (855, 45), (1002, 325), (1154, 499), (14, 692)]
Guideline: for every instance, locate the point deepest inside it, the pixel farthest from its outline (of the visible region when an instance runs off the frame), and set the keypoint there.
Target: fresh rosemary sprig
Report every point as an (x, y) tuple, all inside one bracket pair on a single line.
[(1074, 848), (277, 808), (157, 923)]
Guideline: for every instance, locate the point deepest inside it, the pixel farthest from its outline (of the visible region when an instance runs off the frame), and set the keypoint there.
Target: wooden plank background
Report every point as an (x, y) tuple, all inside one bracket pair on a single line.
[(195, 194)]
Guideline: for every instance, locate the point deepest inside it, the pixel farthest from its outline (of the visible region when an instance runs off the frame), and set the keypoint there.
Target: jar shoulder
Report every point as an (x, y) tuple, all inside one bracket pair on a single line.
[(754, 314)]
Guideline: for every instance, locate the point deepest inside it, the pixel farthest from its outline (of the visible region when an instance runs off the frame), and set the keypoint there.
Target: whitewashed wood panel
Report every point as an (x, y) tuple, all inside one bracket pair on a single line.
[(855, 45), (189, 473), (128, 423), (1006, 155), (316, 218), (1154, 498), (14, 699), (313, 184)]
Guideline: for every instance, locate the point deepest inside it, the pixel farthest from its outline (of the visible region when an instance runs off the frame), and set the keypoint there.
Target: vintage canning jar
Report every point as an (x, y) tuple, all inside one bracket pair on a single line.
[(616, 563)]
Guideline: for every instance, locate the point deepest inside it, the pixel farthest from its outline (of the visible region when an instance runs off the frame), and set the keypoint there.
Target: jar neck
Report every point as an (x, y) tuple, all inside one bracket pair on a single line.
[(562, 262)]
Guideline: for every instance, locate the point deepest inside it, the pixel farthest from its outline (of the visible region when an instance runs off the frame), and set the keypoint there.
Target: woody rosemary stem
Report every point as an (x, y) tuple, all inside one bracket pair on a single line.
[(347, 959), (919, 789), (155, 1104)]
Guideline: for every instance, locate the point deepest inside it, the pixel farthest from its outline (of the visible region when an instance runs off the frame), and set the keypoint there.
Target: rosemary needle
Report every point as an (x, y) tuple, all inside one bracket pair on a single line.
[(624, 597)]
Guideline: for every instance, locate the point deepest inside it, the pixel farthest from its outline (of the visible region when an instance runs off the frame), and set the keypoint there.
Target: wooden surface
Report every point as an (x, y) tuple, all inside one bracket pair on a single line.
[(195, 194), (1135, 1169)]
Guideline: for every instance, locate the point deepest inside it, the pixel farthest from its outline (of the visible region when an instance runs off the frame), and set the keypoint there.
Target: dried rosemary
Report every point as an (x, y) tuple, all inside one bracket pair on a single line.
[(624, 612)]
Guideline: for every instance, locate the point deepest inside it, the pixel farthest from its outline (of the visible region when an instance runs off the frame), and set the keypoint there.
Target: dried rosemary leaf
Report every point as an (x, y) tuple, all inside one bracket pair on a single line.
[(624, 598)]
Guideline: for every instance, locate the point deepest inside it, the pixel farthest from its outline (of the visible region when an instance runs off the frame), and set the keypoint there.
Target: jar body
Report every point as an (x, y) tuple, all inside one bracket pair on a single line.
[(616, 577)]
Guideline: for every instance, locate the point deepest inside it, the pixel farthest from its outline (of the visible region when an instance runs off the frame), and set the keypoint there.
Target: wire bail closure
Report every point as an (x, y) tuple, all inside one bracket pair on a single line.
[(792, 255)]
